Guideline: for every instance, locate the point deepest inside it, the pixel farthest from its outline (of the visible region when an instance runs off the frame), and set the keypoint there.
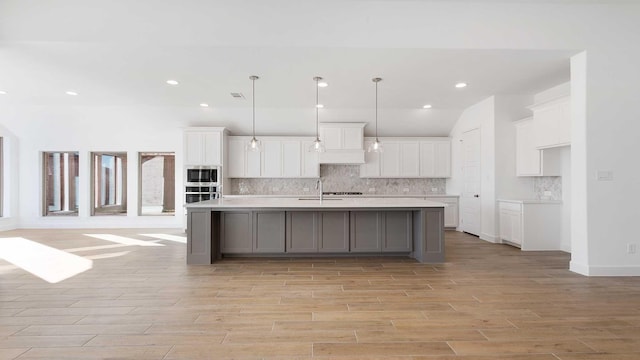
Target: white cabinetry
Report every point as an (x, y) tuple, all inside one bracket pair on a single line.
[(530, 225), (435, 159), (203, 146), (344, 143), (280, 158), (450, 212), (531, 161), (552, 123), (409, 158)]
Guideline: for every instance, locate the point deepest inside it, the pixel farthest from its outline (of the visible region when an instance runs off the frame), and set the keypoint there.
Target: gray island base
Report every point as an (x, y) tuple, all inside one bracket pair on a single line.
[(284, 227)]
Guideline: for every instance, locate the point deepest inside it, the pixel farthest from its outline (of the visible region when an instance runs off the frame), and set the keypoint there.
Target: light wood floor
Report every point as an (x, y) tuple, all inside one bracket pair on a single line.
[(142, 302)]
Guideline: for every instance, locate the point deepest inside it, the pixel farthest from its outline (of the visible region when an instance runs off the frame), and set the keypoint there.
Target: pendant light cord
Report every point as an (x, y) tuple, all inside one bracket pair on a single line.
[(317, 109), (376, 111), (253, 104)]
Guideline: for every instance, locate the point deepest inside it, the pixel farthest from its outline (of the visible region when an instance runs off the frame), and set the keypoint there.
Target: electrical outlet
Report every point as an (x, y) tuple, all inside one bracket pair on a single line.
[(434, 189), (547, 193), (631, 248), (275, 189), (405, 190), (372, 189), (305, 189)]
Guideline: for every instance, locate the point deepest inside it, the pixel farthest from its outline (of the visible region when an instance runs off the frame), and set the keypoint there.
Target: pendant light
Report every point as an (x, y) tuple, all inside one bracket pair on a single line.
[(376, 146), (254, 145), (317, 146)]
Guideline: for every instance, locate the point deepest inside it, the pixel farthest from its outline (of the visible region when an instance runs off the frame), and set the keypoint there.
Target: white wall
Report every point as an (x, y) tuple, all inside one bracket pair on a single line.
[(494, 117), (565, 225), (9, 219), (605, 116), (130, 130), (508, 109), (479, 116)]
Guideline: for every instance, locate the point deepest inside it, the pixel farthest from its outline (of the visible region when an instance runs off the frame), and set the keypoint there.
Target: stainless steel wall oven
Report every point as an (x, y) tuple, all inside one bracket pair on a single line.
[(201, 183)]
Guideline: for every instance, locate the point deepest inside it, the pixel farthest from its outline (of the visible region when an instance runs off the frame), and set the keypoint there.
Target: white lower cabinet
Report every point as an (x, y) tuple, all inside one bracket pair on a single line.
[(450, 212), (530, 225)]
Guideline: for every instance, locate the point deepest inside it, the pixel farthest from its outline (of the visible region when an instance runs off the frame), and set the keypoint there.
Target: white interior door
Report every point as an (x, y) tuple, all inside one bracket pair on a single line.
[(470, 197)]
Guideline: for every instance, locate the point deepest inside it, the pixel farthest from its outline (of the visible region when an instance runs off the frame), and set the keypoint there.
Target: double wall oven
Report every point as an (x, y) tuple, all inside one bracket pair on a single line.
[(201, 183)]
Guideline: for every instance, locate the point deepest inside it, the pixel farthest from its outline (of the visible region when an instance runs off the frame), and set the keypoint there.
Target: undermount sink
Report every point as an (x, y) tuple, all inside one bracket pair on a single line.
[(318, 199)]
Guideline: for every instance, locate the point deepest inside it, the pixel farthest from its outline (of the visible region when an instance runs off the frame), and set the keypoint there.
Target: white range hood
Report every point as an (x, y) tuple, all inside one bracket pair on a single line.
[(344, 143)]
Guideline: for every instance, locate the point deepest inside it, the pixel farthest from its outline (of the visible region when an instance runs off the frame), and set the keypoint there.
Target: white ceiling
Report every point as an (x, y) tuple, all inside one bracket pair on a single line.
[(118, 73)]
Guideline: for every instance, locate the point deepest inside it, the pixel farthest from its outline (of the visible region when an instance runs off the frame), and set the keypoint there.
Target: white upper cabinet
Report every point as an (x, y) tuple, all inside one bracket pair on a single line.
[(435, 158), (552, 123), (292, 159), (237, 161), (203, 146), (280, 158), (271, 159), (390, 159), (528, 157), (344, 143), (530, 160), (310, 162), (409, 158)]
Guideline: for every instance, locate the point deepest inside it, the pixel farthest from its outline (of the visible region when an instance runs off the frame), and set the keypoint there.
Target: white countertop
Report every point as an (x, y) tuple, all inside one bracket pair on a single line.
[(310, 194), (530, 201), (314, 203)]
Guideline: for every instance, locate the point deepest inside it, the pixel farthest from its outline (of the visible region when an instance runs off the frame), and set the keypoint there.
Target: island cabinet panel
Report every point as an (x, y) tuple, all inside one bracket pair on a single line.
[(199, 237), (302, 231), (268, 231), (397, 231), (334, 231), (366, 230), (236, 232)]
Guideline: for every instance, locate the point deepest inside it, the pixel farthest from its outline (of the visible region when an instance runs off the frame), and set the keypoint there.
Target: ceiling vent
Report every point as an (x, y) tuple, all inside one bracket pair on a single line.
[(237, 95)]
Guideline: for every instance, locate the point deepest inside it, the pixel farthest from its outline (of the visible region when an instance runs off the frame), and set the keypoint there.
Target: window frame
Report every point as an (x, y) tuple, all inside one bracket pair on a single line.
[(45, 205)]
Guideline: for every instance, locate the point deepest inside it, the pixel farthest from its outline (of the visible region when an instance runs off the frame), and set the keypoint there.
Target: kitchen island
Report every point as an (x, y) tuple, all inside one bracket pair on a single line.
[(306, 226)]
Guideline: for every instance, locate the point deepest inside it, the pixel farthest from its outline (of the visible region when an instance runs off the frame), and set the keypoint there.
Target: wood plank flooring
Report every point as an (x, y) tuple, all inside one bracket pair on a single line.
[(143, 302)]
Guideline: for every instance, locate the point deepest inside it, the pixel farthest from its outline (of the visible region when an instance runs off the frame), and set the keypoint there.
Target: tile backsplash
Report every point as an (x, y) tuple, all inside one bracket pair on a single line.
[(550, 184), (338, 178)]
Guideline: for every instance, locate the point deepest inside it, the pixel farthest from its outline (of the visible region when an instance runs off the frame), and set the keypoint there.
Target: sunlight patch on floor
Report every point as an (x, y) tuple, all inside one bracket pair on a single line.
[(47, 263), (175, 238), (123, 240), (91, 248), (107, 255)]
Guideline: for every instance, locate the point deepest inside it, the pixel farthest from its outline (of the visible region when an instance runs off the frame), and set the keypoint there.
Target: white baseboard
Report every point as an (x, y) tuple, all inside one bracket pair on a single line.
[(632, 270), (101, 222)]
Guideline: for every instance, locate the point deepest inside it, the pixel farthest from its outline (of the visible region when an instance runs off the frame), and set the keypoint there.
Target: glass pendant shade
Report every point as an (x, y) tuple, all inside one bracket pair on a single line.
[(375, 147), (317, 146), (254, 145)]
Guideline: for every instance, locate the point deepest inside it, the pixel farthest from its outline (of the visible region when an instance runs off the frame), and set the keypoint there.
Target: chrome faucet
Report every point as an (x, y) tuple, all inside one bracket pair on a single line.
[(319, 187)]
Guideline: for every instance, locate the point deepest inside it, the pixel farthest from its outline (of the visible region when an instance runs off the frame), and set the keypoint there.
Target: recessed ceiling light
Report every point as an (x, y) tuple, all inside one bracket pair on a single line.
[(172, 82), (323, 84), (72, 93), (204, 105), (2, 92), (428, 106), (461, 85), (319, 106)]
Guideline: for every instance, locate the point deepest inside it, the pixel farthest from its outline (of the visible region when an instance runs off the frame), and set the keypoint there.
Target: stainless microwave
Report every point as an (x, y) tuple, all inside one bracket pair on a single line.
[(200, 175)]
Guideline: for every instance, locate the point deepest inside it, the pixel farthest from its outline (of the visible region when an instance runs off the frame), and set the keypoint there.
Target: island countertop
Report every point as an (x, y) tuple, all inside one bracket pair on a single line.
[(315, 203)]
